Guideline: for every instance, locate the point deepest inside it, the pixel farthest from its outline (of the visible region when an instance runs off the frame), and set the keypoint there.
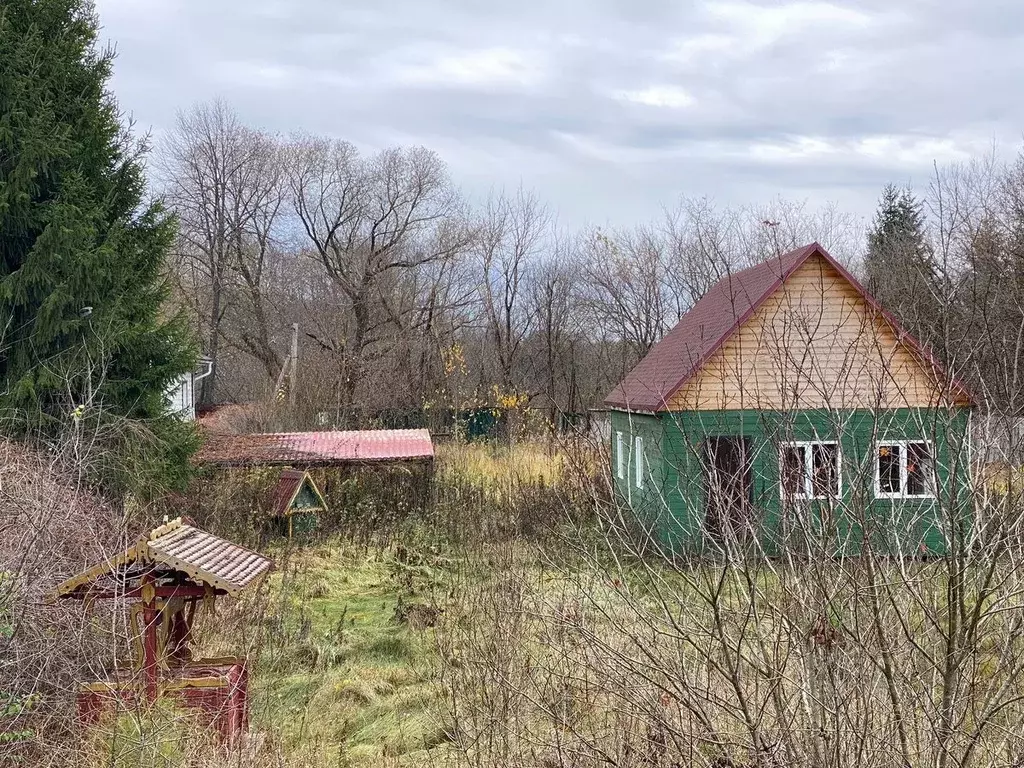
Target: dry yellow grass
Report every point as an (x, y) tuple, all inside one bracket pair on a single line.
[(492, 463), (499, 465)]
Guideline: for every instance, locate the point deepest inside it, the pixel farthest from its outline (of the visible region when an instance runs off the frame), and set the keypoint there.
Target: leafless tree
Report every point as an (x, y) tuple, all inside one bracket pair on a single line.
[(371, 223), (222, 179), (560, 328), (511, 236), (627, 276), (264, 268)]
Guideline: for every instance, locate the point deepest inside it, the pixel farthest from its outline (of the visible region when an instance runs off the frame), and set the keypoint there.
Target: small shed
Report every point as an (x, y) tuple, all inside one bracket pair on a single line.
[(297, 502), (392, 468), (171, 573)]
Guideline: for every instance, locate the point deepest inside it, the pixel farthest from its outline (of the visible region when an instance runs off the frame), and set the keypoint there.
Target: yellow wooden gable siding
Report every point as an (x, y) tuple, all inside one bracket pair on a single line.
[(815, 343)]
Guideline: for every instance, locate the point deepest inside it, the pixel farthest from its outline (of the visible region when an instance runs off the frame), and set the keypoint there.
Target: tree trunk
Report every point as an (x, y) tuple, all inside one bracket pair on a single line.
[(209, 384)]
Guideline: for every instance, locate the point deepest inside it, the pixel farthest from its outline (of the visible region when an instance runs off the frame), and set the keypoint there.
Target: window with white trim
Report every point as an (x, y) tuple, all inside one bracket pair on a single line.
[(810, 470), (904, 469), (620, 457), (638, 460)]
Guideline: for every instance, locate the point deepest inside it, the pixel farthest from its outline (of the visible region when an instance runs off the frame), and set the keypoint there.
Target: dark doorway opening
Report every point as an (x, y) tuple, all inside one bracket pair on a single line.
[(730, 486)]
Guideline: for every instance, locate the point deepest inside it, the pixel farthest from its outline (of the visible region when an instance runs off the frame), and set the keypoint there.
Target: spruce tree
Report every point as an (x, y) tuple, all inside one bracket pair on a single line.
[(84, 340), (900, 266)]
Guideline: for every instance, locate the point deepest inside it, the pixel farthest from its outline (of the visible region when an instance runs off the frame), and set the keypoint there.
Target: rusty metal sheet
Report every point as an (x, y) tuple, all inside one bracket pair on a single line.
[(318, 448)]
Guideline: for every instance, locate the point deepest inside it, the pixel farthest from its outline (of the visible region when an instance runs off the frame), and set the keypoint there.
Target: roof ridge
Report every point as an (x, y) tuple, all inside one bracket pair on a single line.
[(809, 249), (338, 431), (719, 314), (166, 527)]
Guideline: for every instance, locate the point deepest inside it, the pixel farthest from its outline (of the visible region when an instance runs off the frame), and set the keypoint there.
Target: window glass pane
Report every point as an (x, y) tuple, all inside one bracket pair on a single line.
[(919, 469), (889, 468), (825, 470), (620, 459), (793, 470)]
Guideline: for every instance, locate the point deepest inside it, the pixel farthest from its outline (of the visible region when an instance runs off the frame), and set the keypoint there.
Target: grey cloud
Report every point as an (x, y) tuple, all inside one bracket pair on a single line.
[(608, 109)]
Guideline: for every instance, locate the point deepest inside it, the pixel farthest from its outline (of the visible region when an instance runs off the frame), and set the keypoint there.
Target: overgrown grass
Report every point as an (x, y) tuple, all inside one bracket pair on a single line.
[(580, 650), (338, 677), (345, 662), (338, 680), (496, 465)]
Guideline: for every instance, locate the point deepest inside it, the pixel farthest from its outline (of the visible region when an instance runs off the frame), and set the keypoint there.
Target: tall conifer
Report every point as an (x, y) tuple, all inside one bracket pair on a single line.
[(83, 337), (900, 265)]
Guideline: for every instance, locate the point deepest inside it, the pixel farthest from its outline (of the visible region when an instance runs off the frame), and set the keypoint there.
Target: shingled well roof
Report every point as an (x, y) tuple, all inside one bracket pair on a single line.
[(714, 319), (204, 557)]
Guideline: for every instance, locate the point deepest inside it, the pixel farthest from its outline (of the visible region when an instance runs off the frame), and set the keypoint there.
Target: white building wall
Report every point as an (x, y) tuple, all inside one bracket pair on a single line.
[(181, 398)]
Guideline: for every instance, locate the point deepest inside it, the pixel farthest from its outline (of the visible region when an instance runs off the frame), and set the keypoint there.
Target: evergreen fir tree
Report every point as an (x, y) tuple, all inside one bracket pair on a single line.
[(83, 337), (897, 239), (900, 267)]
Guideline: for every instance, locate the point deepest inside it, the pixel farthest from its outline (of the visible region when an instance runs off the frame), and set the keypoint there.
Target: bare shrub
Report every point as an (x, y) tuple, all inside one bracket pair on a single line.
[(611, 650), (51, 525)]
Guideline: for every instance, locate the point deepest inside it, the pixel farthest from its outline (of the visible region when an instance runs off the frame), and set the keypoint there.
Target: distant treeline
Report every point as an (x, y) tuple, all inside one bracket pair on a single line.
[(411, 299)]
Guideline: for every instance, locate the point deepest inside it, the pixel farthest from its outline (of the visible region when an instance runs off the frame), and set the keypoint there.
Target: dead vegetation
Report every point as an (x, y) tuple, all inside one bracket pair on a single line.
[(568, 644), (51, 526), (606, 659)]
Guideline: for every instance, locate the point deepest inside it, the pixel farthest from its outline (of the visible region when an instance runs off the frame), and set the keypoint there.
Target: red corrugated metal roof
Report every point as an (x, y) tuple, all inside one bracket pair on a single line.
[(715, 317), (318, 448)]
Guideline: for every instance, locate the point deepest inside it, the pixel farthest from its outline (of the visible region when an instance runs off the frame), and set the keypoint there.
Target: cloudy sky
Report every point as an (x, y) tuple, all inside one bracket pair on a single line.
[(607, 109)]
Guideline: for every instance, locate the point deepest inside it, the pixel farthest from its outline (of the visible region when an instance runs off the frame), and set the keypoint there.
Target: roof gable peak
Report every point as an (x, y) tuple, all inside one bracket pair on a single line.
[(718, 315)]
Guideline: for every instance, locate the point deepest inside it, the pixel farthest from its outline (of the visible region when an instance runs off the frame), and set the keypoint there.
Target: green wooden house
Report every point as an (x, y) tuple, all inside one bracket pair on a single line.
[(787, 410)]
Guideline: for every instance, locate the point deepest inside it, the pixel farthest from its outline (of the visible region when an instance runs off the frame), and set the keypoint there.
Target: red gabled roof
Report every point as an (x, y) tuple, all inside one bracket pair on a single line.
[(309, 449), (715, 318), (287, 486)]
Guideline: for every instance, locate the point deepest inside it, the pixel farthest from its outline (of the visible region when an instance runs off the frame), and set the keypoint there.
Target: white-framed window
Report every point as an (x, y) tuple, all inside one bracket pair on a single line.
[(638, 461), (904, 469), (811, 470), (620, 457)]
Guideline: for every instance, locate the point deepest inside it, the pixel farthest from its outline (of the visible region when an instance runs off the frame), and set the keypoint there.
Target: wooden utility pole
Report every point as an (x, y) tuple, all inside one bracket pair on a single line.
[(295, 365), (278, 392)]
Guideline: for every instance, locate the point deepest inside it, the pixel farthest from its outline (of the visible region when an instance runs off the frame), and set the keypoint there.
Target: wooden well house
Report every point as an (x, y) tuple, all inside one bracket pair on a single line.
[(171, 575), (788, 410)]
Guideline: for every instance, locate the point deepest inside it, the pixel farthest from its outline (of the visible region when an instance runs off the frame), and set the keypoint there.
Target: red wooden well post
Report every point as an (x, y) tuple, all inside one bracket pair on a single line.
[(150, 619)]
